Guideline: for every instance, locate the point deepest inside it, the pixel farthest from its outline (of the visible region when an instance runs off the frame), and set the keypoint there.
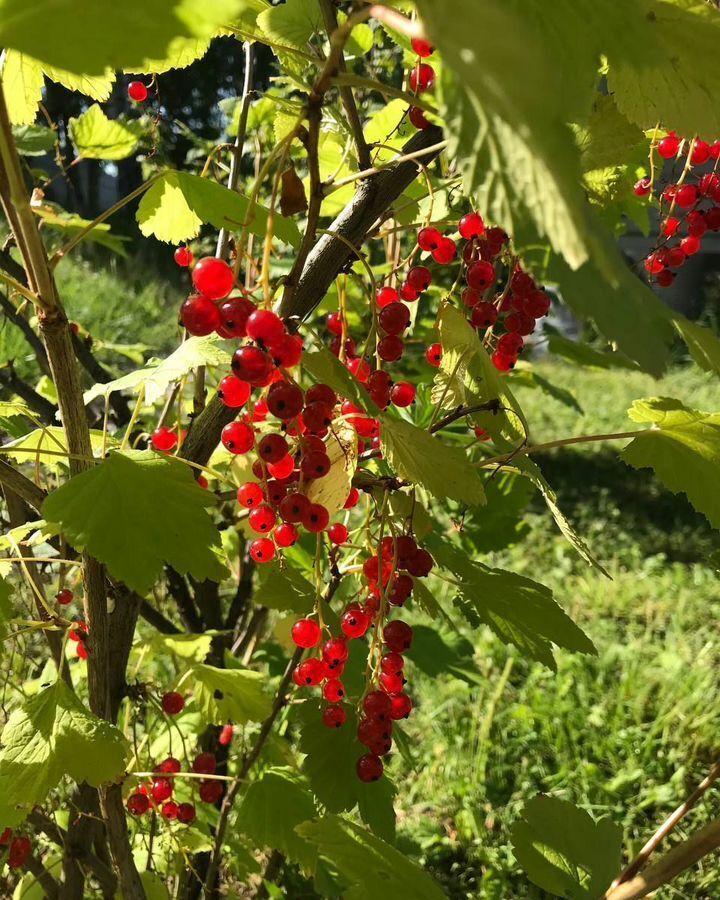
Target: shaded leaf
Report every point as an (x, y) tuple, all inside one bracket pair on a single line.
[(564, 851), (285, 589), (112, 511), (449, 653)]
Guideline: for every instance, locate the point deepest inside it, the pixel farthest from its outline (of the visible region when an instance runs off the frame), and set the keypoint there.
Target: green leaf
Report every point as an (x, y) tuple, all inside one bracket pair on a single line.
[(683, 449), (370, 867), (564, 851), (520, 611), (442, 469), (500, 523), (194, 647), (50, 438), (135, 512), (375, 805), (330, 766), (97, 137), (585, 355), (176, 205), (628, 314), (230, 695), (193, 352), (285, 589), (703, 344), (652, 76), (51, 736), (608, 138), (6, 608), (529, 378), (326, 368), (22, 82), (270, 811), (434, 653), (33, 140), (292, 24), (54, 216), (118, 36), (531, 470)]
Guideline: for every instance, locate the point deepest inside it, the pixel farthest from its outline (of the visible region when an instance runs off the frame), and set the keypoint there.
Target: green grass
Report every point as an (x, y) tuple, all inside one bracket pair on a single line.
[(625, 734)]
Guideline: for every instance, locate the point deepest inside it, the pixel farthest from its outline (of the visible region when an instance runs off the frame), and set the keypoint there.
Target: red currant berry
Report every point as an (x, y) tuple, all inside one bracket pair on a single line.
[(669, 146), (286, 535), (338, 533), (169, 764), (233, 392), (369, 768), (675, 257), (419, 278), (510, 344), (690, 245), (392, 664), (433, 355), (422, 47), (265, 327), (700, 153), (334, 717), (237, 437), (272, 448), (429, 239), (285, 400), (173, 703), (315, 465), (6, 837), (335, 652), (471, 297), (205, 763), (395, 318), (200, 316), (138, 804), (317, 416), (422, 78), (64, 597), (262, 519), (287, 351), (712, 218), (334, 323), (161, 790), (262, 550), (390, 348), (354, 623), (226, 735), (665, 278), (538, 304), (696, 223), (164, 439), (234, 314), (352, 499), (400, 706), (376, 705), (294, 507), (186, 813), (306, 633), (686, 196), (283, 468), (642, 187), (252, 364), (250, 495), (408, 293), (392, 684), (316, 518), (138, 92), (402, 394), (398, 636), (333, 690), (169, 811), (520, 323), (213, 278), (210, 791), (418, 119), (321, 393), (484, 315), (503, 363), (471, 226), (183, 257), (480, 275), (446, 252), (309, 673), (386, 295)]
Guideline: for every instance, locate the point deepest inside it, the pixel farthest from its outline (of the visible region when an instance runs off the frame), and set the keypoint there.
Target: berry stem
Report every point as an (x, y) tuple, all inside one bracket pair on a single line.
[(552, 445)]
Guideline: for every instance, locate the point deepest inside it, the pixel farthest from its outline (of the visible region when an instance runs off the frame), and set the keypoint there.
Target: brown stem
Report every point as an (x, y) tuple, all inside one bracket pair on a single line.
[(20, 322), (45, 410), (346, 94), (462, 411), (247, 764), (15, 481), (634, 866), (57, 336), (686, 854), (564, 442)]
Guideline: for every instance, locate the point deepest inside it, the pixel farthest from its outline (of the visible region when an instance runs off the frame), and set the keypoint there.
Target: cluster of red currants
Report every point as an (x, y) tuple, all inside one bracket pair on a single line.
[(689, 206), (78, 634), (389, 584), (19, 848), (422, 78), (157, 794)]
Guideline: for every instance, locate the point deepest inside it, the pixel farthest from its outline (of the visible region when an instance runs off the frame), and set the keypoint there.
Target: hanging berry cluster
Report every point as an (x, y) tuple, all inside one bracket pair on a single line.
[(155, 795), (689, 204)]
